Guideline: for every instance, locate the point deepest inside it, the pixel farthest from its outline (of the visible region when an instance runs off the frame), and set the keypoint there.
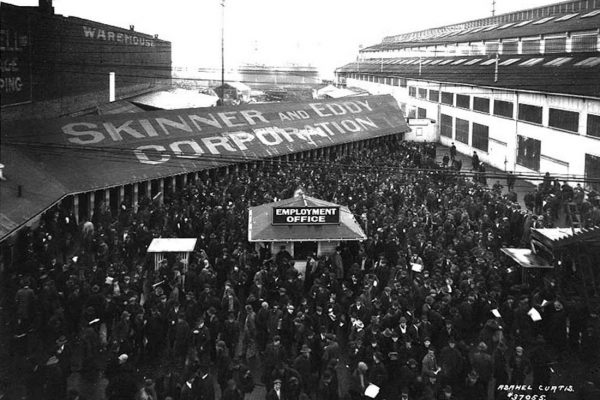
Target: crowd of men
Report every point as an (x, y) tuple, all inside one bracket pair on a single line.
[(427, 308)]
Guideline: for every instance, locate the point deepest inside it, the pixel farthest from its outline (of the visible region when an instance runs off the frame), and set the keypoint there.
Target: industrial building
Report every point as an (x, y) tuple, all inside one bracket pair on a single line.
[(520, 88), (54, 65)]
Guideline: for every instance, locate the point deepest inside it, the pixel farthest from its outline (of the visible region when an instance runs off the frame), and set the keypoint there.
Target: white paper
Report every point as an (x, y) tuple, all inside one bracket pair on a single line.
[(535, 315), (416, 267), (109, 280), (372, 391), (544, 302), (496, 313)]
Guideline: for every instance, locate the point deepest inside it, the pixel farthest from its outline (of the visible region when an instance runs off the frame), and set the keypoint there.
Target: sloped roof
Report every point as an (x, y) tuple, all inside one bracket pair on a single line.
[(576, 73), (260, 228), (559, 237), (50, 159), (175, 99), (238, 86), (172, 245), (500, 27)]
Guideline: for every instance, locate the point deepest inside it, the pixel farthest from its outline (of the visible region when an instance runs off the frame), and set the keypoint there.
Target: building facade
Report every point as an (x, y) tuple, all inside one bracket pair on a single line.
[(521, 89), (54, 65)]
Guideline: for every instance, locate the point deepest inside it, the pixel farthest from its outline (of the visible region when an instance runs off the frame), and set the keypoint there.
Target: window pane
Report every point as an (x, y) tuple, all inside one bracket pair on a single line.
[(530, 47), (481, 104), (567, 120), (503, 108), (421, 113), (463, 101), (480, 137), (492, 48), (510, 47), (462, 130), (448, 98), (412, 91), (592, 171), (556, 45), (530, 113), (446, 125), (422, 93), (434, 95), (528, 152), (584, 43), (593, 125)]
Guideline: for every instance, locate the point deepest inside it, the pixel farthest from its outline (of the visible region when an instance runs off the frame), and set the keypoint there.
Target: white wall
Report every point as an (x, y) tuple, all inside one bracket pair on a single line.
[(562, 152)]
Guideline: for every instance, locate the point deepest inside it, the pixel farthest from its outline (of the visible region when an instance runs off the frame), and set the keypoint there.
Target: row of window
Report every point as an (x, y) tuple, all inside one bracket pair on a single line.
[(576, 42), (458, 129), (560, 119)]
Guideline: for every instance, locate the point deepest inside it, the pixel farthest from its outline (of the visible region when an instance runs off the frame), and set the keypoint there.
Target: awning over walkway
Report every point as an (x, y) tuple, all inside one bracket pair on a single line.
[(261, 228), (97, 152), (526, 258)]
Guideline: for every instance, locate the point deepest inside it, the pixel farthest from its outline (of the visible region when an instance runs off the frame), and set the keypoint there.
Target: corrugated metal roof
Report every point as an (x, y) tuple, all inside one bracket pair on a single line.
[(566, 73)]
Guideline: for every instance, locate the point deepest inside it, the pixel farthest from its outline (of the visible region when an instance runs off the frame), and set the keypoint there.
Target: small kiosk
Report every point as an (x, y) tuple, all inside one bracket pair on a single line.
[(161, 246), (304, 225)]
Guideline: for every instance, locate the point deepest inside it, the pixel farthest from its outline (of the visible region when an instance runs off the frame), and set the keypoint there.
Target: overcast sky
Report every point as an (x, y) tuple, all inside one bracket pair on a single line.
[(323, 33)]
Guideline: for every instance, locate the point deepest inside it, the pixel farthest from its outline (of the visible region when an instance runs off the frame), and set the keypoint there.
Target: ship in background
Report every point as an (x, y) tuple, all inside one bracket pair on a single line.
[(261, 76)]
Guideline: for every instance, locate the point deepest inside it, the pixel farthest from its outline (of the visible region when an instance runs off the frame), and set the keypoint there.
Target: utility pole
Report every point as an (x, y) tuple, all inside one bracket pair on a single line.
[(496, 69), (222, 52), (493, 8)]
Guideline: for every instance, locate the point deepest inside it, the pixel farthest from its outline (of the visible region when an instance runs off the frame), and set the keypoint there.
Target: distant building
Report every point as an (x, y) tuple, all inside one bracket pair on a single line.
[(522, 89), (234, 91), (265, 76), (58, 65)]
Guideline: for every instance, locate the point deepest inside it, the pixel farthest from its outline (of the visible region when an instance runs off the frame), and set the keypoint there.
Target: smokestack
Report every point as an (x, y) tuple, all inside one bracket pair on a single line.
[(45, 6)]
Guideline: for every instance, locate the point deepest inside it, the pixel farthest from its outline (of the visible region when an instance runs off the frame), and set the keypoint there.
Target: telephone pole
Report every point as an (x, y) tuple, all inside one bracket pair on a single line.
[(222, 52), (493, 8)]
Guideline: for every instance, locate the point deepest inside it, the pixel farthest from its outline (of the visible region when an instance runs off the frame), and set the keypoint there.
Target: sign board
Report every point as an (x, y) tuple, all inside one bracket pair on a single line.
[(15, 57), (306, 215)]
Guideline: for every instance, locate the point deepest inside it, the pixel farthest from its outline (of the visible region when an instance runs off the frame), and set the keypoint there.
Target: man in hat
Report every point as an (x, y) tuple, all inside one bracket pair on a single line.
[(123, 385), (359, 381), (302, 364), (276, 393), (520, 367), (482, 364), (452, 363), (274, 354)]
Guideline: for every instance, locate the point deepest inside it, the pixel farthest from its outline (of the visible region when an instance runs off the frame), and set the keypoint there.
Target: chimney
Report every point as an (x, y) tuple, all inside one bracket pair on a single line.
[(131, 27), (45, 7)]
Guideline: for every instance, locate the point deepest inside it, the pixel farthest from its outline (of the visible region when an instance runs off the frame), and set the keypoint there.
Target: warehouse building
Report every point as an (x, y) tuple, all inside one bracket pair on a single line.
[(54, 65), (521, 88)]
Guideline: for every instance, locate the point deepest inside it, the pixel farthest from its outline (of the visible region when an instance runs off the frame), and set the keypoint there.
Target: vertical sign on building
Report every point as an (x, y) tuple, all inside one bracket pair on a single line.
[(15, 57)]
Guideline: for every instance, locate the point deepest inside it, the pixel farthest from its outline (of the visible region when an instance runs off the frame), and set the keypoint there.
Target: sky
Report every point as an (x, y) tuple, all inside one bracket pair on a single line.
[(323, 33)]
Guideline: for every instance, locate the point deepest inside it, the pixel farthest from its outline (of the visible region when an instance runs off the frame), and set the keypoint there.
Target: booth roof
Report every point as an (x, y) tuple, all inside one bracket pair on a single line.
[(557, 237), (175, 245), (526, 258), (261, 229)]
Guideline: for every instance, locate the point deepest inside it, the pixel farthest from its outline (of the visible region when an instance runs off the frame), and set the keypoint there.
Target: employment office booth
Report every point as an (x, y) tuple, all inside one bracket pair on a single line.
[(304, 225)]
